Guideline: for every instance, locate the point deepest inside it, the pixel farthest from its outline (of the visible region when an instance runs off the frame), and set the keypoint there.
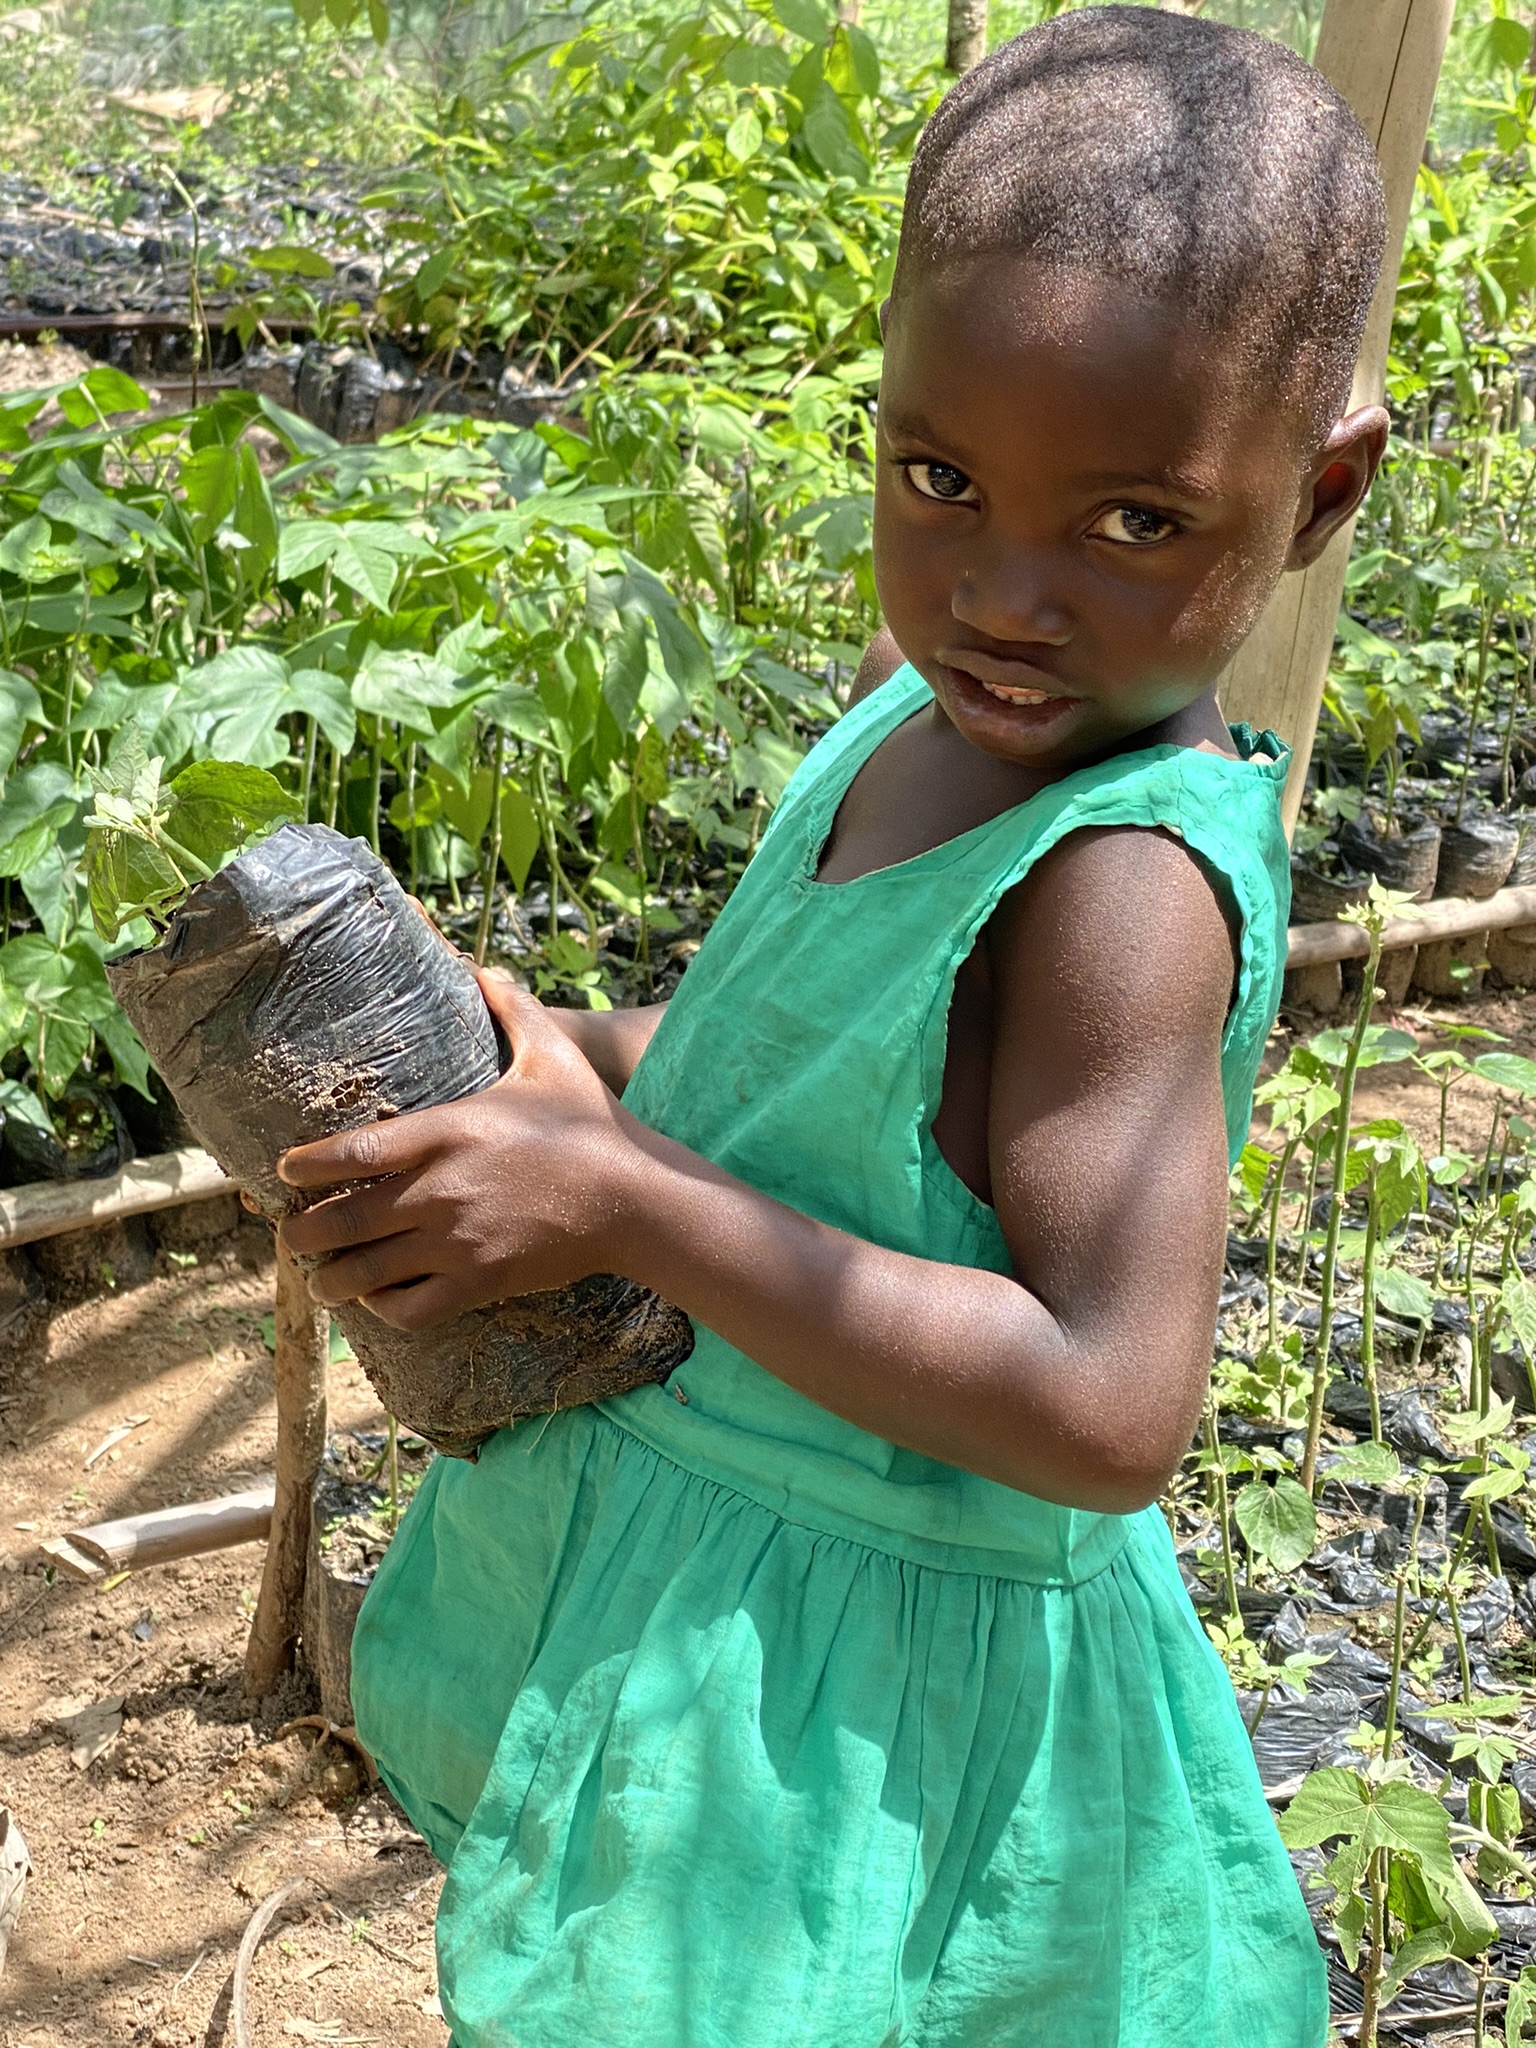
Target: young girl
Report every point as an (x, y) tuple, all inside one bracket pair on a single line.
[(843, 1693)]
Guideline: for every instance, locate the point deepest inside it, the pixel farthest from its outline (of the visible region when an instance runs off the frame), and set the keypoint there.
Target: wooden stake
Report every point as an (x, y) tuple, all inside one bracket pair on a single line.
[(300, 1357), (1384, 56), (965, 43)]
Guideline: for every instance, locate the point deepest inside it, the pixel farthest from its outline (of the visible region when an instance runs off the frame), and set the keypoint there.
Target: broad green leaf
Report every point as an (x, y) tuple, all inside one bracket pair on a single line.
[(1368, 1464), (829, 133), (326, 699), (289, 259), (1507, 1070), (1433, 1945), (1498, 1484), (220, 805), (20, 706), (520, 836), (744, 137), (1278, 1521), (1328, 1803), (1403, 1294), (804, 18), (38, 800), (1517, 1298), (405, 686), (210, 479)]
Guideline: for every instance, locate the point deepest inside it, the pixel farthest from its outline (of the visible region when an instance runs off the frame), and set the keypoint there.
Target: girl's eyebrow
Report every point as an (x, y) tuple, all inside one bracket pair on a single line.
[(1182, 483), (911, 426)]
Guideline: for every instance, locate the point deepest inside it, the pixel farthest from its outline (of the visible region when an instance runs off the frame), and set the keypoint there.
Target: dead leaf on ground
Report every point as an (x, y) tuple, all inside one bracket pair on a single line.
[(15, 1869), (323, 2030), (200, 103), (114, 1437), (90, 1729)]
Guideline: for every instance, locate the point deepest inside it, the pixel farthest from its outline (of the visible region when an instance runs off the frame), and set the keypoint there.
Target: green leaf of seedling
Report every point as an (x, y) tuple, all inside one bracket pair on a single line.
[(1517, 1298), (20, 706), (1403, 1294), (1383, 1045), (805, 19), (220, 806), (288, 259), (1520, 2013), (1277, 1521), (1467, 1426), (1368, 1464), (1433, 1945), (1498, 1484), (1507, 1070), (520, 835), (209, 480)]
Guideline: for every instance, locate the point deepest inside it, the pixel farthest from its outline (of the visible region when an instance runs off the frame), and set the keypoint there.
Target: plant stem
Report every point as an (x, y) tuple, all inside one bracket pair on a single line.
[(376, 787), (1336, 1206), (1461, 1641), (1272, 1249), (492, 852), (392, 1453), (1368, 1309), (1477, 705), (1376, 1957), (1223, 1517), (1394, 1684)]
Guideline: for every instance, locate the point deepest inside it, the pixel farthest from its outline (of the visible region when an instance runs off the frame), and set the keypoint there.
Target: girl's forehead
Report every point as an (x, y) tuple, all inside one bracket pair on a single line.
[(1004, 348)]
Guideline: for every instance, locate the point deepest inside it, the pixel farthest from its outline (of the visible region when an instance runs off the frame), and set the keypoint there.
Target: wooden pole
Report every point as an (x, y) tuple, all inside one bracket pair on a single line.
[(300, 1355), (48, 1208), (1384, 56), (965, 43), (1449, 917)]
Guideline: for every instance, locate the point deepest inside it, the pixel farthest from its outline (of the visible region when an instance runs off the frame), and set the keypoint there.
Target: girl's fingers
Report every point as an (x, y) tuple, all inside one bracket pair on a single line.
[(526, 1023), (421, 1305), (343, 1222), (353, 1276), (395, 1145)]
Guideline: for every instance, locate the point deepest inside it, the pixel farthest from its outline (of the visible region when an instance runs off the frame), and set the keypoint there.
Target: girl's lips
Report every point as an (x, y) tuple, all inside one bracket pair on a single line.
[(1011, 682)]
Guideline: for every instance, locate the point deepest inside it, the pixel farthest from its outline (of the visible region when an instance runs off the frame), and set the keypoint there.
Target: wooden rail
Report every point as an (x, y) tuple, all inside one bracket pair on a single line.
[(1452, 917), (46, 1208)]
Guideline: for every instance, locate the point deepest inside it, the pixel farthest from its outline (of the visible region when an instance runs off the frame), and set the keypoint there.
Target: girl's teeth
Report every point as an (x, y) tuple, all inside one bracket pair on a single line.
[(1013, 694)]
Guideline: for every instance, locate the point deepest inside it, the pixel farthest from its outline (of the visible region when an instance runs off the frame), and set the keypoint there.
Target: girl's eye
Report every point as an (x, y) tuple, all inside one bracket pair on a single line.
[(1133, 525), (943, 481)]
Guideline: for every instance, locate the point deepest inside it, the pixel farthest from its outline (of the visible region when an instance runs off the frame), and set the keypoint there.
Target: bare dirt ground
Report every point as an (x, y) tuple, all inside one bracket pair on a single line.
[(151, 1858)]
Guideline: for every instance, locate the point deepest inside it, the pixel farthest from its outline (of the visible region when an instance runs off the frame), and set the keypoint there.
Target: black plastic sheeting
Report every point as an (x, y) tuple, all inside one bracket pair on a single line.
[(299, 993)]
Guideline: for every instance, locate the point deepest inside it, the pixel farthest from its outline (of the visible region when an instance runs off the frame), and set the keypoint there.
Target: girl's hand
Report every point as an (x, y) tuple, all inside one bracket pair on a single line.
[(519, 1188)]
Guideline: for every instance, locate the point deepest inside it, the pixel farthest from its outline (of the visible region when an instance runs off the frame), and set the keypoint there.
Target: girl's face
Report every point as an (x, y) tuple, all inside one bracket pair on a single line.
[(1082, 504)]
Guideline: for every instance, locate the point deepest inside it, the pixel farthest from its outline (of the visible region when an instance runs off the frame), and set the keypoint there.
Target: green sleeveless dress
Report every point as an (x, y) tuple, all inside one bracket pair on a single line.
[(736, 1726)]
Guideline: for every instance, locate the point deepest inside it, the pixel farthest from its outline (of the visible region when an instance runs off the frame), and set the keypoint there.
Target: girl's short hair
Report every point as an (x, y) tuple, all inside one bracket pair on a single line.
[(1206, 167)]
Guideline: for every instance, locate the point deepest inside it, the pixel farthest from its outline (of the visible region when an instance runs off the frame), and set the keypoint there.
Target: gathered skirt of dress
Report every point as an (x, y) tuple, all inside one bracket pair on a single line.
[(706, 1776)]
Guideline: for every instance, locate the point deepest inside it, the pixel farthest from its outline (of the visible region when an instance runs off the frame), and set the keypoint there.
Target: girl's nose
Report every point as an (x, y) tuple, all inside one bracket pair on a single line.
[(1012, 602)]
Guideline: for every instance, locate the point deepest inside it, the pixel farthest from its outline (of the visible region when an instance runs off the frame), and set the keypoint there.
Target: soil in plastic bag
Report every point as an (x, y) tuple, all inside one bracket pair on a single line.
[(1318, 897), (1399, 860), (1476, 856), (298, 993), (95, 1140)]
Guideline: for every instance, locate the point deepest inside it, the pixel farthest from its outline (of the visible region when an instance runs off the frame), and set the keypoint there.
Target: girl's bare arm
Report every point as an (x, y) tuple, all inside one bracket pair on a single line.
[(611, 1041), (1079, 1380)]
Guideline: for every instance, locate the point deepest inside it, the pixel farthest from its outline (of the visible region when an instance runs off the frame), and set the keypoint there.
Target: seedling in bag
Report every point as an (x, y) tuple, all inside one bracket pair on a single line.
[(295, 993), (149, 843)]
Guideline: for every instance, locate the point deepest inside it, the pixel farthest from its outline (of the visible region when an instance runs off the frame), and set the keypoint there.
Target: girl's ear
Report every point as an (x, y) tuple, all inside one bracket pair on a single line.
[(884, 316), (1339, 478)]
